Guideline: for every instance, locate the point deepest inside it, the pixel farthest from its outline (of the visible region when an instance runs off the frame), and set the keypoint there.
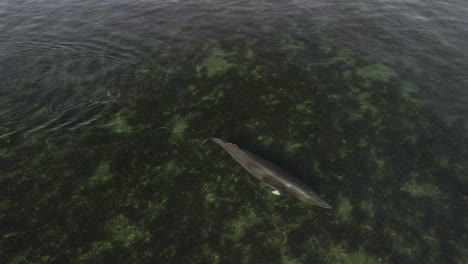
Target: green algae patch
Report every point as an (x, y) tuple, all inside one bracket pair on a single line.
[(118, 124), (409, 88), (239, 226), (341, 256), (365, 103), (362, 143), (125, 232), (292, 147), (343, 57), (192, 89), (303, 108), (180, 126), (97, 248), (289, 260), (368, 207), (344, 209), (347, 75), (266, 141), (4, 205), (254, 72), (249, 54), (376, 72), (102, 175), (269, 100), (215, 96), (292, 48), (166, 171), (18, 259), (214, 64), (178, 129), (420, 190)]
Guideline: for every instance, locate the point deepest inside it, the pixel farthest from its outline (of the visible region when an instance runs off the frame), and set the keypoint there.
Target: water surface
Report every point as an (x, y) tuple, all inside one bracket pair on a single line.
[(103, 106)]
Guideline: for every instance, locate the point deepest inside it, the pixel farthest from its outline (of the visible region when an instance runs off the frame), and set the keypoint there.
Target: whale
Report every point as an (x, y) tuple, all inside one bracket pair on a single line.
[(279, 179)]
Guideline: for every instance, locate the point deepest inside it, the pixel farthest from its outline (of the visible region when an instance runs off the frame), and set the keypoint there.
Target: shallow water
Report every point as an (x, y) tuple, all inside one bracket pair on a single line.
[(103, 107)]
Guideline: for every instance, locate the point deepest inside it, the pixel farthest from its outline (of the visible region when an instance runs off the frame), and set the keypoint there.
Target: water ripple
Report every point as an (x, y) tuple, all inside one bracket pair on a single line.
[(60, 60)]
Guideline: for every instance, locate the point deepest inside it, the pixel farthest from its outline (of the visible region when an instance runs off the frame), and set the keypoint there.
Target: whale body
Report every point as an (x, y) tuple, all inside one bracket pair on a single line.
[(276, 177)]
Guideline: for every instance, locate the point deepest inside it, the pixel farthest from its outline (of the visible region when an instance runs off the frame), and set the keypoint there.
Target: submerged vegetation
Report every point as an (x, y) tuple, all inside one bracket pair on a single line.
[(136, 186)]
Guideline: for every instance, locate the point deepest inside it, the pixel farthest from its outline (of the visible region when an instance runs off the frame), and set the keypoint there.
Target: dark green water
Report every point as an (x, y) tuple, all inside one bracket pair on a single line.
[(104, 104)]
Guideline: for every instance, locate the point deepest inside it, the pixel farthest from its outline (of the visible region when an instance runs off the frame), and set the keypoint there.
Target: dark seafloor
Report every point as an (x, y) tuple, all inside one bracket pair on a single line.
[(104, 104)]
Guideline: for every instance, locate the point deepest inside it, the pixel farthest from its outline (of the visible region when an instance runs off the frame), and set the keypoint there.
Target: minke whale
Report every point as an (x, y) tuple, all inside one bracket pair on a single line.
[(265, 171)]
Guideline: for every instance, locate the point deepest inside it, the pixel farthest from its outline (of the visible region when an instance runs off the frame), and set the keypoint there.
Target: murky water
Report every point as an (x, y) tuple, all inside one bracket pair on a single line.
[(103, 106)]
